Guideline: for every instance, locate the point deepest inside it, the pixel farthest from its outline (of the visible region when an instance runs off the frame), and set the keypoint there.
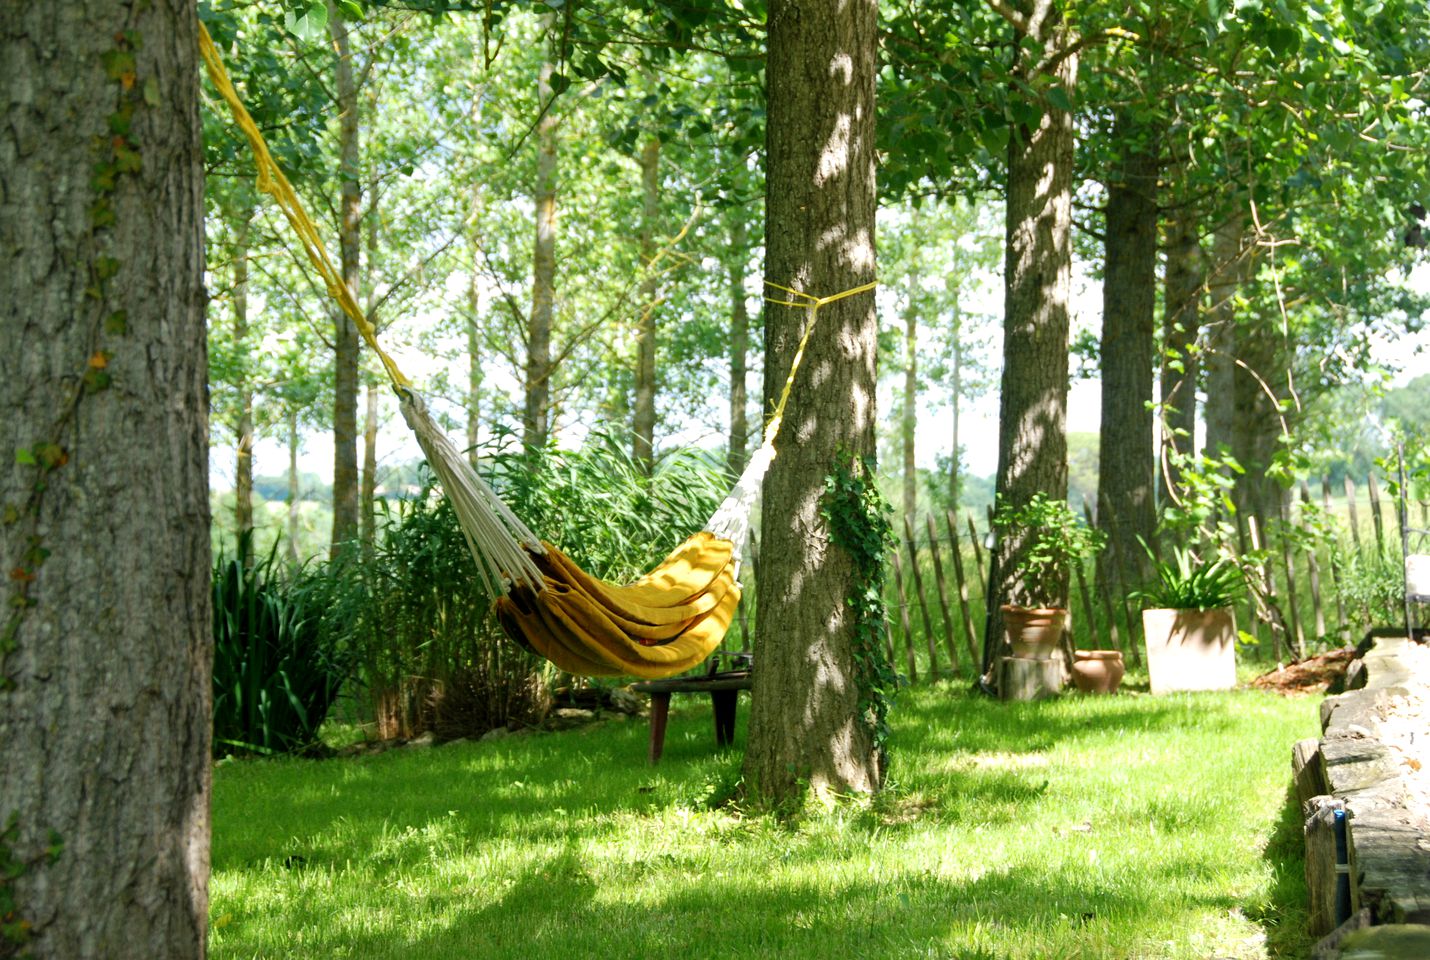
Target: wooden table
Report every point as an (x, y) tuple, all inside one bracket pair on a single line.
[(724, 689)]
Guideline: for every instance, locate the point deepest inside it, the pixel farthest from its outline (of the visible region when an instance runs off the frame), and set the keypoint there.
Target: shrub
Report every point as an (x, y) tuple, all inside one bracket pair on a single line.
[(277, 665)]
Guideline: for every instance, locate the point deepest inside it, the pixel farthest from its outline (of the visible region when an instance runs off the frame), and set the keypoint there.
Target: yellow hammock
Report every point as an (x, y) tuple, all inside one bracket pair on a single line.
[(662, 624)]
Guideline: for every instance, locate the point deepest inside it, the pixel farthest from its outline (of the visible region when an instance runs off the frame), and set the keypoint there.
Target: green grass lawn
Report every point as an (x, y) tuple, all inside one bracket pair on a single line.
[(1092, 828)]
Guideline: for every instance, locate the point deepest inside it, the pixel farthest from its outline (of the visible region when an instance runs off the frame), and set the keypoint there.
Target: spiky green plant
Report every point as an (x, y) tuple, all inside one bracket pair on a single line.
[(1188, 583)]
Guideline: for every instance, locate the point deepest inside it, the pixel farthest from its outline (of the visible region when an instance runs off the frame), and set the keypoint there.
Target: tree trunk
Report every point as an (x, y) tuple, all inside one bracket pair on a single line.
[(1256, 424), (345, 342), (806, 728), (739, 349), (536, 421), (293, 487), (1181, 321), (910, 415), (243, 429), (955, 465), (1032, 415), (644, 419), (1221, 338), (106, 638), (369, 471), (1126, 449)]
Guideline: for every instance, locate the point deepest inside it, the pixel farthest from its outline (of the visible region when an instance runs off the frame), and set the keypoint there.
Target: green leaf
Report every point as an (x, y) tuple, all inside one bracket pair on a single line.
[(1059, 98), (25, 457), (309, 25)]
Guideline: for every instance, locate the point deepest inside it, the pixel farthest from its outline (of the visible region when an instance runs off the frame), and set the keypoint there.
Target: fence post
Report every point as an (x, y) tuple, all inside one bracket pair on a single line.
[(1351, 511), (1283, 508), (962, 584), (904, 619), (977, 555), (1119, 563), (1373, 489), (919, 591), (1341, 627), (1270, 578), (942, 593)]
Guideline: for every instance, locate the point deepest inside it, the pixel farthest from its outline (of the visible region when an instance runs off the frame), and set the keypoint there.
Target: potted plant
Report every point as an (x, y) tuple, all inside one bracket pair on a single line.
[(1189, 623), (1055, 539)]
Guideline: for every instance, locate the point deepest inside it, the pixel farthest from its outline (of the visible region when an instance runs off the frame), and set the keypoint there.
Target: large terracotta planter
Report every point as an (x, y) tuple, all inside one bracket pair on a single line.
[(1034, 632), (1190, 649), (1097, 671)]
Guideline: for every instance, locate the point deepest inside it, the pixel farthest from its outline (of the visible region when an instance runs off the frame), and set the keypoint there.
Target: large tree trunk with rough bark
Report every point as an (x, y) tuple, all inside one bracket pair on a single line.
[(536, 419), (106, 635), (243, 428), (643, 424), (345, 340), (1260, 380), (1126, 450), (1181, 322), (1032, 414), (806, 728)]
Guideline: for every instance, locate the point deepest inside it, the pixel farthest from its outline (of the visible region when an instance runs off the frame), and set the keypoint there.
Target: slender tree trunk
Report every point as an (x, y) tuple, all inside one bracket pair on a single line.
[(345, 342), (1221, 339), (1126, 449), (739, 349), (536, 421), (1256, 423), (1181, 320), (1032, 416), (106, 633), (644, 421), (806, 727), (910, 418), (243, 429), (955, 465), (293, 487), (369, 471), (474, 366)]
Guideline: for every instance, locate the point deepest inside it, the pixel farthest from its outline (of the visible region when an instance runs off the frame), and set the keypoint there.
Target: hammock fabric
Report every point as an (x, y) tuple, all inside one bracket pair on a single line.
[(660, 625)]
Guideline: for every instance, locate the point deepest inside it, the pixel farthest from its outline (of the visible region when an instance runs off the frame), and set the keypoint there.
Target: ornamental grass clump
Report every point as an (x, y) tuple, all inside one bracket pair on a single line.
[(1187, 583)]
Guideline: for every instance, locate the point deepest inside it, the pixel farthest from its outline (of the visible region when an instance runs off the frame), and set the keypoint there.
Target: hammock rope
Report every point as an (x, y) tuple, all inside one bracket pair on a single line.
[(662, 624)]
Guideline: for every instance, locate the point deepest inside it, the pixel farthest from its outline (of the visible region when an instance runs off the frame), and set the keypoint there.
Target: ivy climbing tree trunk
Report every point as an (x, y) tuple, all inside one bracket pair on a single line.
[(1126, 450), (536, 419), (739, 348), (345, 342), (1181, 322), (105, 638), (1032, 414), (243, 428), (644, 414), (806, 724)]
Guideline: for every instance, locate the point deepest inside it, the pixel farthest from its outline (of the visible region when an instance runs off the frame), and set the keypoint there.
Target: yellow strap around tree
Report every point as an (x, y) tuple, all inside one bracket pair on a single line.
[(272, 182)]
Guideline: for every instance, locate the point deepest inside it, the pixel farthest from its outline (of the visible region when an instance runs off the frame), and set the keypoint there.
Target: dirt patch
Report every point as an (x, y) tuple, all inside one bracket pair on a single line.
[(1325, 673)]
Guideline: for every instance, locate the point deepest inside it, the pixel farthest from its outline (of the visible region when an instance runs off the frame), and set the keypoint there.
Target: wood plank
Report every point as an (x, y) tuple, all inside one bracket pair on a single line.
[(962, 584), (1373, 489), (1269, 578), (1313, 571), (977, 555), (912, 665), (1307, 773), (1253, 611), (1024, 679), (913, 548), (942, 593), (1352, 514), (1288, 566)]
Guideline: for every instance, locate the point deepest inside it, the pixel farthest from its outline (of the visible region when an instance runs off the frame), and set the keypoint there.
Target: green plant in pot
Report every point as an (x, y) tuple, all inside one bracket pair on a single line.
[(1055, 539), (1190, 624)]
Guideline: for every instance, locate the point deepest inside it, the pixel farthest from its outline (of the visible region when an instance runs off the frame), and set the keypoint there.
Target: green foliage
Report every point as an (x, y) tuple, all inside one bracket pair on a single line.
[(1187, 583), (278, 658), (859, 521), (1054, 538), (1372, 588)]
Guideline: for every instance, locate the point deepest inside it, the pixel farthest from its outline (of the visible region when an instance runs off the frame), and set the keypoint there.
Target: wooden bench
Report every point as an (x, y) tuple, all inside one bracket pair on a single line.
[(724, 687)]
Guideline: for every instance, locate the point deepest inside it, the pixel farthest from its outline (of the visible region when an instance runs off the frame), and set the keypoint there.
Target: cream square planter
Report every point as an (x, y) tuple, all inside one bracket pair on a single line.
[(1190, 649)]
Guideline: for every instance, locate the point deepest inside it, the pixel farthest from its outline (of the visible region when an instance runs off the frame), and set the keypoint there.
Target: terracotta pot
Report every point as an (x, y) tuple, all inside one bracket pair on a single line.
[(1190, 649), (1034, 632), (1097, 671)]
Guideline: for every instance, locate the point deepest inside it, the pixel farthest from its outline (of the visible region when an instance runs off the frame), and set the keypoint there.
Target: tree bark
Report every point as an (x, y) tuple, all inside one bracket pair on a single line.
[(1126, 449), (243, 429), (739, 349), (106, 638), (643, 426), (536, 419), (910, 415), (1032, 416), (805, 725), (1221, 337), (1181, 322), (345, 343)]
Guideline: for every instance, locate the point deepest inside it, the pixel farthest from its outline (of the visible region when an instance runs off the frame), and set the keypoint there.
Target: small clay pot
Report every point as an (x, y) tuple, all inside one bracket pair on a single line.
[(1034, 632), (1097, 671)]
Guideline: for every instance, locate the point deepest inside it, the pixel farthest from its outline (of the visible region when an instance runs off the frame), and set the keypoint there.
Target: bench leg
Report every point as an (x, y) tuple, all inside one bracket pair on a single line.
[(659, 713), (724, 702)]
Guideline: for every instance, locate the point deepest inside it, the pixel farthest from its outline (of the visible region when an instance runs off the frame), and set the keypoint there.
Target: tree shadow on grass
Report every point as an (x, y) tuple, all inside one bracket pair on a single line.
[(1286, 913)]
